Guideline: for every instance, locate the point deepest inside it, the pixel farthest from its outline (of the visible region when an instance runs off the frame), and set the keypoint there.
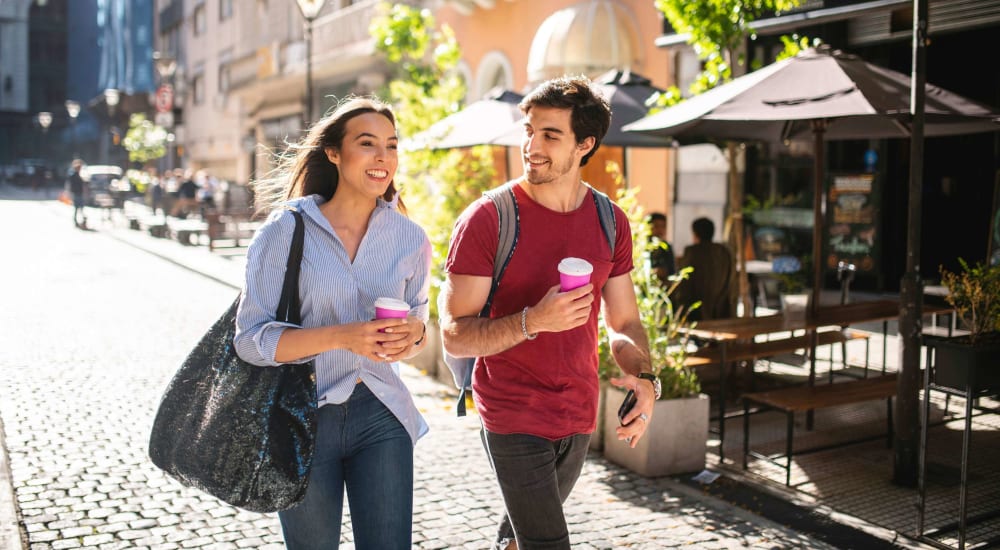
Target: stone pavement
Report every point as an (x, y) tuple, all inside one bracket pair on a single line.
[(92, 332)]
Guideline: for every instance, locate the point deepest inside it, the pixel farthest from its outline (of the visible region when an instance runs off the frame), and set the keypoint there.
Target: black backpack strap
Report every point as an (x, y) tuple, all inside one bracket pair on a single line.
[(507, 233), (606, 214)]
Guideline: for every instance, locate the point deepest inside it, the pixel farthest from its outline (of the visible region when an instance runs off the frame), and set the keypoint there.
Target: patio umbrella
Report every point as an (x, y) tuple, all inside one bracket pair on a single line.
[(823, 93), (627, 93), (476, 124)]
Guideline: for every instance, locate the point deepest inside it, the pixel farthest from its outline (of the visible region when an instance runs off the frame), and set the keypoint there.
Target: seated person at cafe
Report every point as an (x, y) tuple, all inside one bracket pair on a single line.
[(661, 256), (713, 281)]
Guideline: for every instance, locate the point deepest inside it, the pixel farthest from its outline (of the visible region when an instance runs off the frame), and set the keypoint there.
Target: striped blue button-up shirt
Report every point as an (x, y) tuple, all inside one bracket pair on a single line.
[(393, 260)]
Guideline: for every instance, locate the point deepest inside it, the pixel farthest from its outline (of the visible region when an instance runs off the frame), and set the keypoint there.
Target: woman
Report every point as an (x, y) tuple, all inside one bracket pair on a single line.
[(358, 247)]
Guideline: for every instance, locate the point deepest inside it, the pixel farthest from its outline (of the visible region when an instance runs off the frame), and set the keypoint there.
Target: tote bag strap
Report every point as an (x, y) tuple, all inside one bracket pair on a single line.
[(289, 309)]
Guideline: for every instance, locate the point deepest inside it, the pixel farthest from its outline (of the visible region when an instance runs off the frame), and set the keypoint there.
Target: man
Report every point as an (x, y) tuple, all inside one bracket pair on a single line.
[(77, 189), (713, 281), (535, 382), (661, 257)]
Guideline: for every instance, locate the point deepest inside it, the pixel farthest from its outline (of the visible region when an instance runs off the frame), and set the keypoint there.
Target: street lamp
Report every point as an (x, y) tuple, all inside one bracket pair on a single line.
[(73, 108), (310, 10), (45, 120), (111, 98)]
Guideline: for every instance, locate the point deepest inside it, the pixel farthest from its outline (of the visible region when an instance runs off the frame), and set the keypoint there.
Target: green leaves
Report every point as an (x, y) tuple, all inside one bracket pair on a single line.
[(974, 292), (661, 320), (144, 140), (426, 87), (716, 30)]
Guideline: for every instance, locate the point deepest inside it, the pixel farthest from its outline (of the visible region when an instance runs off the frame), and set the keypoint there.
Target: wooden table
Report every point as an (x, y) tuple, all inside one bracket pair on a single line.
[(726, 331)]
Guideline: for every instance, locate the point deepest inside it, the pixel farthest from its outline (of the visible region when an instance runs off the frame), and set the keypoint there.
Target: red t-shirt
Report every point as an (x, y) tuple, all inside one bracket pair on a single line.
[(545, 387)]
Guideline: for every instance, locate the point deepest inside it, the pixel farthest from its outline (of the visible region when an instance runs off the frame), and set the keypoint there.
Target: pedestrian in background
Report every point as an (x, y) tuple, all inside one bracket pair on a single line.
[(358, 246), (78, 193), (535, 381), (661, 254), (713, 280)]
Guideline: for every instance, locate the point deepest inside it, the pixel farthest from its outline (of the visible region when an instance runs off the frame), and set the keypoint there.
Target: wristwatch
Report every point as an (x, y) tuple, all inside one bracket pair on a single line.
[(657, 389)]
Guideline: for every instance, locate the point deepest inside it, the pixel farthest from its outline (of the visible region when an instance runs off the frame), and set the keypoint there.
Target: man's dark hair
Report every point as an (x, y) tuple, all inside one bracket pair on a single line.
[(704, 229), (590, 114), (656, 217)]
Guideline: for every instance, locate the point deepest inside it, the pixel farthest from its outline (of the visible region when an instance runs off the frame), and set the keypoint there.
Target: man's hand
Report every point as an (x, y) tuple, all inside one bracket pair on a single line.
[(560, 311), (638, 419)]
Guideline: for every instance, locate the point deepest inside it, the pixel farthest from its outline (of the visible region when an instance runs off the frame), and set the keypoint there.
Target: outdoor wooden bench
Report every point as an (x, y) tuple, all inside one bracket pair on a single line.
[(187, 231), (235, 227), (806, 398), (750, 351)]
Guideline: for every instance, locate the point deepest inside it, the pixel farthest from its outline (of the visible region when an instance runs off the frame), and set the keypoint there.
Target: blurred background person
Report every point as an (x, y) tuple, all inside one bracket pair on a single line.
[(713, 281)]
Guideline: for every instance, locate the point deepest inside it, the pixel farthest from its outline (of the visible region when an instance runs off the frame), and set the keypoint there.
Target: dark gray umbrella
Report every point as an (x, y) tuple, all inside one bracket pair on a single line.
[(627, 93), (857, 100), (476, 124), (823, 93)]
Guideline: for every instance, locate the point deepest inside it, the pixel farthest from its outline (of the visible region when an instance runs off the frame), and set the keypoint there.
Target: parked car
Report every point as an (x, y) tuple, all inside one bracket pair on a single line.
[(103, 182)]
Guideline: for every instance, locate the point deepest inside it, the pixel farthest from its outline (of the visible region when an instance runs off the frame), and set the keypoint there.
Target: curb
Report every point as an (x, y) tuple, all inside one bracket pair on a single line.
[(10, 531), (799, 514)]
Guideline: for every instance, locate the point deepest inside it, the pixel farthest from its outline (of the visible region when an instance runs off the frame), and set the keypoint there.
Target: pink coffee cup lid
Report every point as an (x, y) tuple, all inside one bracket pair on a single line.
[(575, 266), (392, 303)]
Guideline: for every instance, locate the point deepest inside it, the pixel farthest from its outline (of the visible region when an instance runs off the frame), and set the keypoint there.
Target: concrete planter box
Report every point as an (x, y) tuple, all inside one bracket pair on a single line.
[(597, 438), (675, 442)]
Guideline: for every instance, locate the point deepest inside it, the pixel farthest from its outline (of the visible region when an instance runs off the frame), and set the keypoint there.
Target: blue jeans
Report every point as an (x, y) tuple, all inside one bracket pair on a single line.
[(535, 475), (361, 445)]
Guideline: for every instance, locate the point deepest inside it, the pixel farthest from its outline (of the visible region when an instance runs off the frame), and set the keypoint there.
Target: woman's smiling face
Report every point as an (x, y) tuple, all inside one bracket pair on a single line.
[(367, 158)]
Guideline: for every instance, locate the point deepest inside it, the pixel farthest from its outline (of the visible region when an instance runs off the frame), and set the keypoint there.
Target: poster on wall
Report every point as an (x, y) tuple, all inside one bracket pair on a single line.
[(993, 253), (853, 221)]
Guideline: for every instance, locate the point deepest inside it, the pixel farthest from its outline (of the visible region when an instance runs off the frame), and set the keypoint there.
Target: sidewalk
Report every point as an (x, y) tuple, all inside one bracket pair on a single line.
[(610, 508)]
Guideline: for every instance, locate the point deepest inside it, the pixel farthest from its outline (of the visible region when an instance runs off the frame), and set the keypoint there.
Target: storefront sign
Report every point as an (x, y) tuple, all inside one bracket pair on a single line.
[(853, 220)]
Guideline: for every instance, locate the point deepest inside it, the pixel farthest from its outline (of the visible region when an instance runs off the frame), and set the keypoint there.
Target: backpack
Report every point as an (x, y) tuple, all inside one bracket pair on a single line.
[(506, 205)]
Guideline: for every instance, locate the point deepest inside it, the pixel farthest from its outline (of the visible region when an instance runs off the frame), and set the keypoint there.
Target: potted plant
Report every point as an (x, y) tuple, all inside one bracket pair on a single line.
[(792, 280), (676, 440), (971, 360)]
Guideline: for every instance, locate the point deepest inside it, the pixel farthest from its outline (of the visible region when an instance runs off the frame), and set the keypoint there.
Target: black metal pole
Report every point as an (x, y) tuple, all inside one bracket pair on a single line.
[(907, 441), (818, 128)]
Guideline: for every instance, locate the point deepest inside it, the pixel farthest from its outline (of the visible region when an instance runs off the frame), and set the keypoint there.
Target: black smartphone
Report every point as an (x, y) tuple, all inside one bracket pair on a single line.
[(626, 406)]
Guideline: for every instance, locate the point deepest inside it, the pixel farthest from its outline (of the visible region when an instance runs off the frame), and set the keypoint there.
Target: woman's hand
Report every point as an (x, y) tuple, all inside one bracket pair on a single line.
[(405, 338), (377, 339)]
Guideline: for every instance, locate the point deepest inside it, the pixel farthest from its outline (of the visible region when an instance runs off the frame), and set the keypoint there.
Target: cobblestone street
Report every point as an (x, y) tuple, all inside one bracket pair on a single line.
[(92, 331)]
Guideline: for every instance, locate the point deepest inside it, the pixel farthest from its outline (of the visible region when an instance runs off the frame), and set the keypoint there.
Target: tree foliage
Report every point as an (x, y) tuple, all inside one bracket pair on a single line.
[(144, 141), (424, 88), (716, 30)]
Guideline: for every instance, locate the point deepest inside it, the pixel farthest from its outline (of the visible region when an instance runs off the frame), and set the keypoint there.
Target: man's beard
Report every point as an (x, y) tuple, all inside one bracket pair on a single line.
[(552, 174)]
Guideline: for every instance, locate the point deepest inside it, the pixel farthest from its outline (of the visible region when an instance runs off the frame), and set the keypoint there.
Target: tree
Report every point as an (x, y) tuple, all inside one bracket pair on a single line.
[(144, 141), (424, 88), (716, 30)]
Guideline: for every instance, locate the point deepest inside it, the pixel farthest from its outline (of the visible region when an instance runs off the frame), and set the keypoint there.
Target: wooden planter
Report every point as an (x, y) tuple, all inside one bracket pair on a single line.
[(957, 364), (675, 442)]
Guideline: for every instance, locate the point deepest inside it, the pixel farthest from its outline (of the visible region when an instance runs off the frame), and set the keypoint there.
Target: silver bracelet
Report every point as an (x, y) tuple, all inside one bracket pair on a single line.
[(524, 325)]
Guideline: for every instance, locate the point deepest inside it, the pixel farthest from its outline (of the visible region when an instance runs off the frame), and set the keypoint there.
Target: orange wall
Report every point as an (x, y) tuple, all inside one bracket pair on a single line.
[(509, 28)]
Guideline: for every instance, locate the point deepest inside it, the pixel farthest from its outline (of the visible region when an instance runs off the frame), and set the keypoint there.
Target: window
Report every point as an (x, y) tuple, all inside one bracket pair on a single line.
[(198, 86), (199, 20), (225, 61), (225, 9)]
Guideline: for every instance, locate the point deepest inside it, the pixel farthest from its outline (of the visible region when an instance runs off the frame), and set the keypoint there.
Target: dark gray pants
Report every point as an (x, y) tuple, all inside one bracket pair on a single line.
[(535, 476)]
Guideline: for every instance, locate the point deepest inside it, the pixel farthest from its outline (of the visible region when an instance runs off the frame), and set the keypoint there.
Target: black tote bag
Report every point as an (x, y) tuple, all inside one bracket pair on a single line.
[(241, 433)]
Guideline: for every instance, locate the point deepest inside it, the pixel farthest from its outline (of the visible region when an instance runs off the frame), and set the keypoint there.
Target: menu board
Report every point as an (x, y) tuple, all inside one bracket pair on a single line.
[(852, 229)]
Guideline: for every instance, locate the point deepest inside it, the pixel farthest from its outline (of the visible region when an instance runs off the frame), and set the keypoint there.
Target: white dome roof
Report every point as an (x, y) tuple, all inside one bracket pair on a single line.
[(587, 38)]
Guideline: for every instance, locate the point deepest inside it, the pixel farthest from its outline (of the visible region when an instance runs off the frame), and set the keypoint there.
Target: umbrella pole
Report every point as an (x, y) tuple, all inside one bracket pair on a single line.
[(818, 127), (736, 214), (906, 439)]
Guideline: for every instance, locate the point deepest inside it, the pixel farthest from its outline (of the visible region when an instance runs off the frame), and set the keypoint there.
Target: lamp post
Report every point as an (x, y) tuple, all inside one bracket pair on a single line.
[(111, 98), (310, 10), (73, 109)]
